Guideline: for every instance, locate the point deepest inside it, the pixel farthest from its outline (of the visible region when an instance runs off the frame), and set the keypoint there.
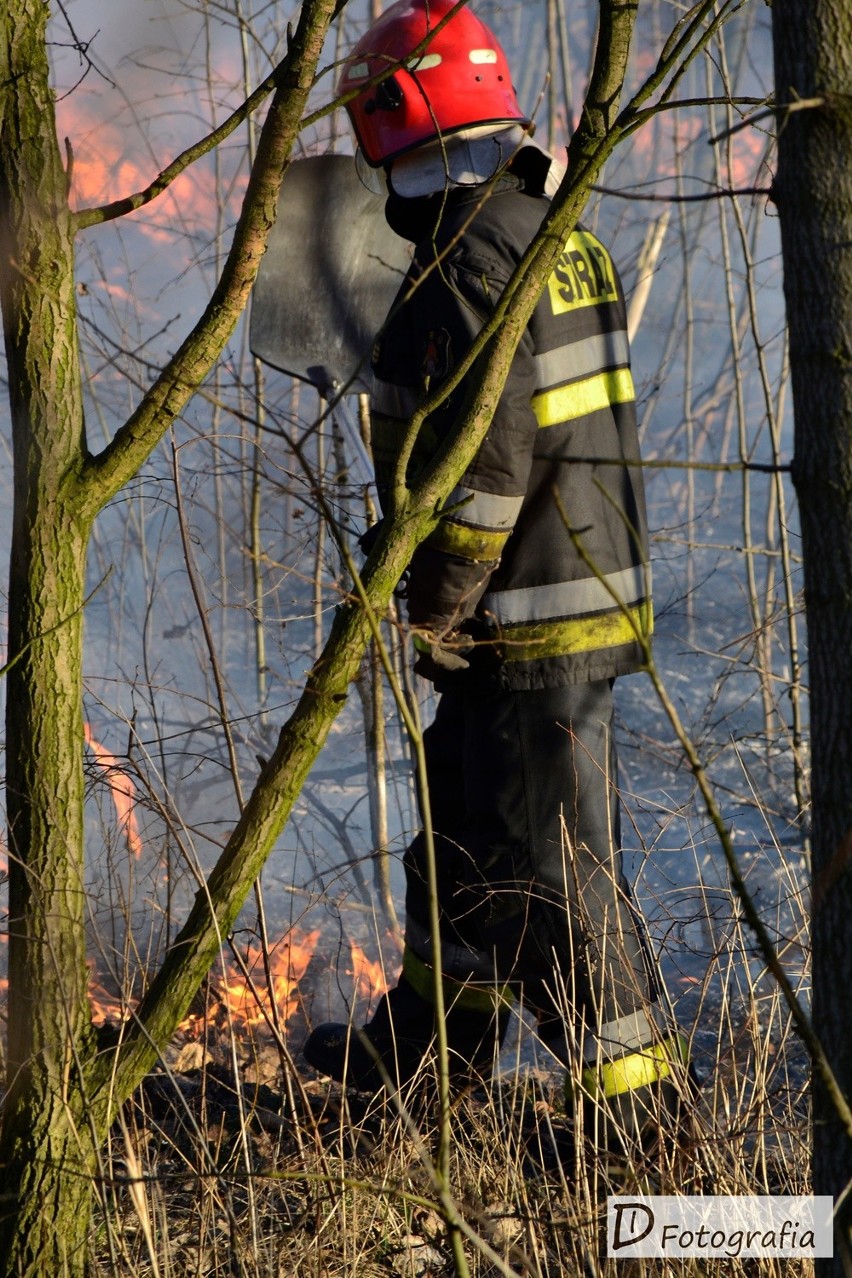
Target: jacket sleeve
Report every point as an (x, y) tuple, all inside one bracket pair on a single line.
[(450, 570)]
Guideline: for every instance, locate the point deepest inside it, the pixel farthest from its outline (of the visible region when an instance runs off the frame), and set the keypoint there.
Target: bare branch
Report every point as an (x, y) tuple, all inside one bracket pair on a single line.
[(129, 203), (106, 473)]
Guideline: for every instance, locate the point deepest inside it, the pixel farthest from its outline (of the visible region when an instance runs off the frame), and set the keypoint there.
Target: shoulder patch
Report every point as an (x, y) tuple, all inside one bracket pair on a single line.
[(583, 276)]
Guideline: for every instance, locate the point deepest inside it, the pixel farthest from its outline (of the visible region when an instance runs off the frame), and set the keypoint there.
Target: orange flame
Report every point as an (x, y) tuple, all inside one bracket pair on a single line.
[(251, 1001), (369, 974), (112, 162), (246, 1004), (122, 789), (242, 1002)]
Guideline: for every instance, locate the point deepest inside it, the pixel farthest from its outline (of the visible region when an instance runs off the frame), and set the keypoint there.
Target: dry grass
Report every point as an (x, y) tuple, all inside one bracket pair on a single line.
[(301, 1179)]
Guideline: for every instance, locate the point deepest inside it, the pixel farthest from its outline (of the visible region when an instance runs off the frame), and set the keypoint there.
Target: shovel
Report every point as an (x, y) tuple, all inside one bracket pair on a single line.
[(331, 270), (330, 273)]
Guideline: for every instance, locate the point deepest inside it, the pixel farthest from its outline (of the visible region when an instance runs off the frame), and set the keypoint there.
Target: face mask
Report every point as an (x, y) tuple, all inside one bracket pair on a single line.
[(463, 159)]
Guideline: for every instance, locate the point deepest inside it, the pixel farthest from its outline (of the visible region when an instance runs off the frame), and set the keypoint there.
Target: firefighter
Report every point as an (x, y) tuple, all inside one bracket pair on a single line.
[(524, 604)]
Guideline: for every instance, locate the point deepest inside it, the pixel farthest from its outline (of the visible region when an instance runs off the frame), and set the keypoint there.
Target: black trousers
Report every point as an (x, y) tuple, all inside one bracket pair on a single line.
[(531, 889)]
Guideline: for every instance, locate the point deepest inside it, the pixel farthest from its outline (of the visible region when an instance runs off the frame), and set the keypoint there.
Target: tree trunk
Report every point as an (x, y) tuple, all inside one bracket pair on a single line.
[(48, 1136), (813, 190), (46, 1140)]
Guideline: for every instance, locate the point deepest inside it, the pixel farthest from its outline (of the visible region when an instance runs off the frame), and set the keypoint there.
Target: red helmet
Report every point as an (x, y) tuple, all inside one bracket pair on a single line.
[(460, 81)]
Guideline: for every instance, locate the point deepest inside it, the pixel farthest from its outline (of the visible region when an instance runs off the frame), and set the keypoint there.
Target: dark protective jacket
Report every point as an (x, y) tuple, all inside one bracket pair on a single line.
[(542, 554)]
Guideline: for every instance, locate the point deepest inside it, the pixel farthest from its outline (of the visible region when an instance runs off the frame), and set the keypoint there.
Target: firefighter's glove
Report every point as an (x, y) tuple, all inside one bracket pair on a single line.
[(440, 655)]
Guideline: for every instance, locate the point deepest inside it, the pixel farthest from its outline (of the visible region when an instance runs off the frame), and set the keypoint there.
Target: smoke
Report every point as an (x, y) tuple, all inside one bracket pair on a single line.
[(134, 94)]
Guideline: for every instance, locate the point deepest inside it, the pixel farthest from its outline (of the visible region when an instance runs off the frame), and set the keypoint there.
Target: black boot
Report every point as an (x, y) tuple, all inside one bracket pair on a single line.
[(394, 1044), (647, 1119)]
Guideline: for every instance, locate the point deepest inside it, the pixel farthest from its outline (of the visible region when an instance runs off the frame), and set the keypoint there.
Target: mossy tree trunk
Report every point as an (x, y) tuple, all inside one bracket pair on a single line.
[(813, 191), (45, 1131), (64, 1088)]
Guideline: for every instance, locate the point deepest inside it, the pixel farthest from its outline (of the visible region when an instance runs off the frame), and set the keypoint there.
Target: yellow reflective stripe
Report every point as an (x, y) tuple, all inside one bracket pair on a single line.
[(578, 634), (567, 403), (466, 541), (639, 1069), (476, 998)]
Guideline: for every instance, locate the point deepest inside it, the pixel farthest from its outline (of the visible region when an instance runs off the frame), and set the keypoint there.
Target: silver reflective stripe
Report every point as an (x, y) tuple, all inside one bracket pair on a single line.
[(393, 401), (568, 598), (623, 1035), (486, 510), (582, 359)]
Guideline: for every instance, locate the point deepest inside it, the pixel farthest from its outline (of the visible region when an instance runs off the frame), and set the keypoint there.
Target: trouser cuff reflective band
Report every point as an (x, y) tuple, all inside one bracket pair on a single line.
[(625, 1034), (486, 999), (638, 1069)]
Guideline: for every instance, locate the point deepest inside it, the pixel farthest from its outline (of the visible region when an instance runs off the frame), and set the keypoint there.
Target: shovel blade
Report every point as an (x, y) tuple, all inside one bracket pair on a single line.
[(328, 278)]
